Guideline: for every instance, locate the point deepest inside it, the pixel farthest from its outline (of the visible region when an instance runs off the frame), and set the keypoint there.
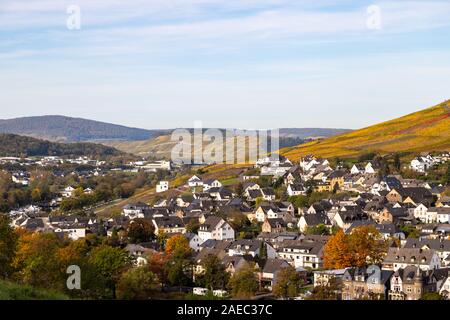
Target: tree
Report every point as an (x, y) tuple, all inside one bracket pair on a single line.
[(319, 229), (299, 201), (446, 177), (157, 263), (137, 284), (326, 291), (109, 263), (239, 189), (36, 261), (192, 226), (263, 250), (258, 201), (243, 283), (366, 246), (337, 252), (397, 162), (432, 296), (8, 246), (178, 272), (140, 230), (358, 249), (36, 195), (178, 247), (214, 275), (288, 283)]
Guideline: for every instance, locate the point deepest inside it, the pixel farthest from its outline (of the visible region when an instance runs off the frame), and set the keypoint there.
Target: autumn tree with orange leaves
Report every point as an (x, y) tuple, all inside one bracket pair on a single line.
[(178, 246), (363, 246)]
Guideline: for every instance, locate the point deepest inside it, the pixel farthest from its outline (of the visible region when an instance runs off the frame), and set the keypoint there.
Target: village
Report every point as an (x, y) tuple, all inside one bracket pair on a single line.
[(281, 219)]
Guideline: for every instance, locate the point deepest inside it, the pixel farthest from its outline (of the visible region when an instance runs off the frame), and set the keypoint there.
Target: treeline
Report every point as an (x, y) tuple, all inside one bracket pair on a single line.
[(22, 146)]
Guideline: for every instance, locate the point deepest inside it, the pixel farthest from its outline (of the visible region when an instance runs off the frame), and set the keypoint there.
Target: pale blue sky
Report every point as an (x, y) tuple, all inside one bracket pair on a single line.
[(227, 63)]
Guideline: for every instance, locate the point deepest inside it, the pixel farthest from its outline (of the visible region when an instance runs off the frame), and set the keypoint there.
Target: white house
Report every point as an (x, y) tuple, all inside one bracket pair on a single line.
[(211, 183), (369, 168), (215, 228), (420, 212), (443, 214), (194, 241), (422, 164), (67, 192), (400, 258), (74, 232), (162, 186), (302, 254), (296, 190), (195, 181)]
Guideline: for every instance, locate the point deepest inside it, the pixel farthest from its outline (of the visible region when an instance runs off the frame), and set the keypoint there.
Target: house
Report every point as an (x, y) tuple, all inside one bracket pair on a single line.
[(422, 164), (73, 231), (211, 183), (302, 253), (234, 263), (269, 271), (249, 247), (392, 214), (296, 190), (357, 169), (268, 194), (276, 225), (400, 258), (371, 168), (440, 246), (157, 165), (415, 196), (67, 192), (168, 225), (411, 283), (221, 193), (323, 277), (162, 186), (22, 178), (311, 220), (139, 253), (445, 288), (266, 210), (366, 283), (443, 214), (195, 181), (135, 210), (194, 241), (215, 228)]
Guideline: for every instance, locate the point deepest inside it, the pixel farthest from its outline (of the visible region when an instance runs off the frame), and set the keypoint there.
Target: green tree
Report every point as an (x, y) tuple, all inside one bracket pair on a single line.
[(244, 283), (299, 201), (178, 272), (110, 262), (432, 296), (140, 230), (397, 162), (214, 275), (288, 283), (36, 195), (319, 229), (8, 246), (137, 284)]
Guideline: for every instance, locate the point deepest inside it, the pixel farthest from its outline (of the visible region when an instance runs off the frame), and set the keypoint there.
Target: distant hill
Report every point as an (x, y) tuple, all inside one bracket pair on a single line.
[(304, 133), (162, 145), (423, 131), (60, 128), (22, 146)]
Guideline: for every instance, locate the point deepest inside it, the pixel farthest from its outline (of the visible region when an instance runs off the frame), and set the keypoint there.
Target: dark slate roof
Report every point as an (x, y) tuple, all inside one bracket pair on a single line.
[(435, 244)]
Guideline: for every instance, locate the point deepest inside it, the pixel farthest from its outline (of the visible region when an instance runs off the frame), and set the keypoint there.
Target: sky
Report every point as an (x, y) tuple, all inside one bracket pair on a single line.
[(253, 64)]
